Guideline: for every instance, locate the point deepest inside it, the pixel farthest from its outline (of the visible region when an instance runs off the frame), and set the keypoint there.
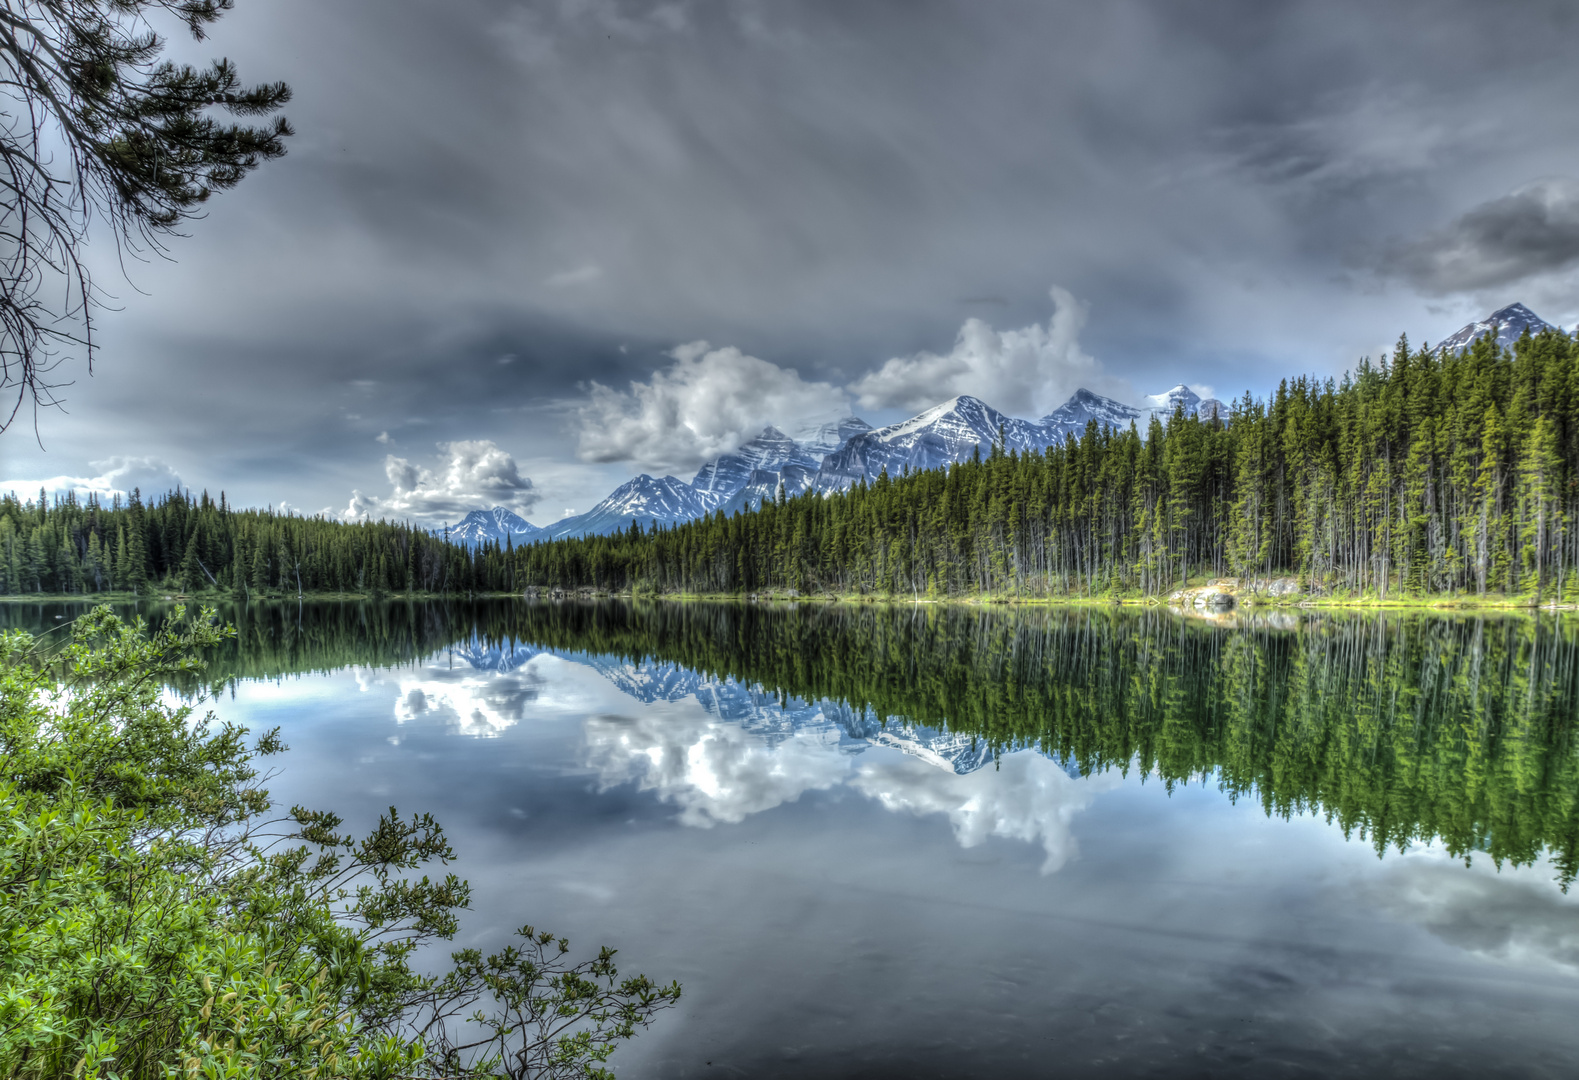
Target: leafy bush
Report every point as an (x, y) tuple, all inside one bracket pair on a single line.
[(155, 922)]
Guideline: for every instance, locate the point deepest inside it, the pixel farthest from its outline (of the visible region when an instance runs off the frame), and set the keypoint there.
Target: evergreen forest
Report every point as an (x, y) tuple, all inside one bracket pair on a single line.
[(1420, 474), (1423, 474), (188, 543)]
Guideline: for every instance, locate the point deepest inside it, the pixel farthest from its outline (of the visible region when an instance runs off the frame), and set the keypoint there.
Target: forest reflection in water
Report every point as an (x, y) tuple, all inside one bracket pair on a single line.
[(880, 840)]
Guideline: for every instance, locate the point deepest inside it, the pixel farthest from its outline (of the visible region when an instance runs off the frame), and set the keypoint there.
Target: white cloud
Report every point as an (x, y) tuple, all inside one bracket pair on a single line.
[(117, 476), (1027, 797), (472, 475), (1027, 372), (383, 437), (706, 403)]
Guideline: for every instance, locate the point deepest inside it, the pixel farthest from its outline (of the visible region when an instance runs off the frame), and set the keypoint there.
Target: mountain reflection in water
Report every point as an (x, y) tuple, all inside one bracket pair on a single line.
[(753, 798)]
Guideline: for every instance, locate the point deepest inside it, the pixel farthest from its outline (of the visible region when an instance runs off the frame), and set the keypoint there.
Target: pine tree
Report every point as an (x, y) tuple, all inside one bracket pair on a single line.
[(260, 570), (192, 577), (119, 574), (93, 567)]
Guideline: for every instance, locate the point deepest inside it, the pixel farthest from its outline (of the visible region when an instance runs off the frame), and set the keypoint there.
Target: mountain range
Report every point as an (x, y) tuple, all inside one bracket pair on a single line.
[(833, 457), (841, 454)]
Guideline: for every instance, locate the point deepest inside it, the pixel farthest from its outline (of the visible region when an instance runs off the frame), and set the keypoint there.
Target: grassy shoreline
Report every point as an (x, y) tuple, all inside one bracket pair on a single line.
[(1346, 602)]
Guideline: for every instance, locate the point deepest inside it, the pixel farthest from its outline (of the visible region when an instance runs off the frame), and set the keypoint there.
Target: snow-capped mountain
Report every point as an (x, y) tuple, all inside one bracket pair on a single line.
[(828, 438), (774, 458), (1508, 324), (1072, 416), (844, 453), (727, 474), (1164, 405), (498, 524), (764, 484), (952, 431), (646, 499)]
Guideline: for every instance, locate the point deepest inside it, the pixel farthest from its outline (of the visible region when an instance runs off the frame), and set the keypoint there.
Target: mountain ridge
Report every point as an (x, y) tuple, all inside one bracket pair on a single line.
[(836, 456), (849, 451)]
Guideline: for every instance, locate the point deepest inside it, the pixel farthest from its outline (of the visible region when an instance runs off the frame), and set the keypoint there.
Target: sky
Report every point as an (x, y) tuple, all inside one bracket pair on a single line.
[(520, 252)]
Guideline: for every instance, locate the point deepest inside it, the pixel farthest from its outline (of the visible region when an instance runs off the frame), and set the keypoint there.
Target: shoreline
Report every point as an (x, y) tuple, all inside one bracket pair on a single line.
[(1445, 604)]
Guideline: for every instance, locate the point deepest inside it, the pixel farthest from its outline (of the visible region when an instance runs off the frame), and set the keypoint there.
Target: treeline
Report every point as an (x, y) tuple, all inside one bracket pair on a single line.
[(189, 543), (1420, 474)]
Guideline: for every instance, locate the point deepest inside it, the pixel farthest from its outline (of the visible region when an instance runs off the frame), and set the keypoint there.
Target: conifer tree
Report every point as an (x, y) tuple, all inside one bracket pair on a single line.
[(103, 130)]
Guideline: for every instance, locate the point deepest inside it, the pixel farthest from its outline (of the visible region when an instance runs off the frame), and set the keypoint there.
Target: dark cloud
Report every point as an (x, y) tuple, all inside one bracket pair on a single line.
[(586, 184), (1531, 231)]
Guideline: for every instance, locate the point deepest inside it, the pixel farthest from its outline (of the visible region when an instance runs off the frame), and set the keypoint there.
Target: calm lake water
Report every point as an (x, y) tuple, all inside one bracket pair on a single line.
[(949, 842)]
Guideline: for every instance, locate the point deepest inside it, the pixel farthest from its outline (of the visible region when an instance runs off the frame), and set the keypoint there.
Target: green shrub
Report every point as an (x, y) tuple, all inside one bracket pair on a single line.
[(156, 922)]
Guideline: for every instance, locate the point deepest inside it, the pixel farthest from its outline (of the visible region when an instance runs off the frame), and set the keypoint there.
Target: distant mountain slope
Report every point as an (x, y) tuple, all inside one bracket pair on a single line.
[(727, 474), (944, 433), (851, 450), (1072, 416), (481, 526), (797, 470), (832, 458), (1508, 324), (644, 498)]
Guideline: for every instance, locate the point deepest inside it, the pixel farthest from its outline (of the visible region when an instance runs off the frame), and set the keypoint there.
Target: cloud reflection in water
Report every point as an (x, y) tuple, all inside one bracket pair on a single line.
[(1511, 914), (721, 751), (1028, 797), (715, 771), (469, 702)]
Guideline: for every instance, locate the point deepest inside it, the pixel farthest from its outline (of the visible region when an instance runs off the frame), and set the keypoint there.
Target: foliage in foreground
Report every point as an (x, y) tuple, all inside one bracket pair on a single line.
[(100, 128), (155, 923)]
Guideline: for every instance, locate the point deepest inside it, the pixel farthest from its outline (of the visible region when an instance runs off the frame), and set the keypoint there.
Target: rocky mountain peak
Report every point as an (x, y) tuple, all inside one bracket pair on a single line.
[(1507, 325)]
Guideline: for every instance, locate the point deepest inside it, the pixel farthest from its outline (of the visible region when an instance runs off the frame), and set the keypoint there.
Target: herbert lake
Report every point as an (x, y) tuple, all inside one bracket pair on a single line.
[(951, 841)]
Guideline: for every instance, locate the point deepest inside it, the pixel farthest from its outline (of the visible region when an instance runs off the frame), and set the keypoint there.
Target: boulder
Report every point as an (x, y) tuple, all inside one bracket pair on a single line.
[(1284, 586), (1213, 598)]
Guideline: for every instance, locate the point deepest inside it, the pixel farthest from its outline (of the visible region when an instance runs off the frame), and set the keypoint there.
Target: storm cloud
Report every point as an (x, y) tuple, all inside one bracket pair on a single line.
[(829, 188), (1531, 231)]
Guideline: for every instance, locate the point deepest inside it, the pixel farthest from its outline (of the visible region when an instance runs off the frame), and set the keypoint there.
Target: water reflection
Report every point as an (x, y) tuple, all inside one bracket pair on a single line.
[(829, 821), (1402, 729), (479, 704), (744, 750), (715, 771), (1512, 916)]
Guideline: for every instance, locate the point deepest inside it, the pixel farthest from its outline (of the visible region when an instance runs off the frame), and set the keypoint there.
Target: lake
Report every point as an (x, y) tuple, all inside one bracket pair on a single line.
[(896, 841)]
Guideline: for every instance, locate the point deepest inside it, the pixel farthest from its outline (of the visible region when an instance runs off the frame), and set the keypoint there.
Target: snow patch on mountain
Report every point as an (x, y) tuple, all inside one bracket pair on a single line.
[(496, 526), (649, 500), (1507, 324), (1071, 418), (728, 473)]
